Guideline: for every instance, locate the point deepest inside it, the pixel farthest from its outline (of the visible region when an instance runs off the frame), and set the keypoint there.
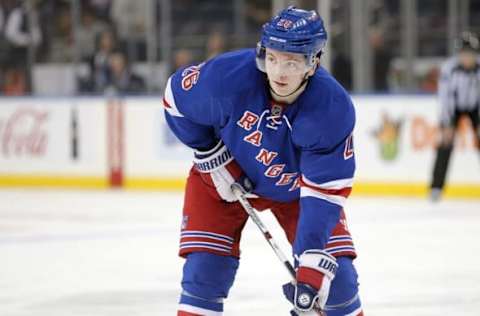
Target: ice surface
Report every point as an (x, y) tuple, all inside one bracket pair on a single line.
[(113, 253)]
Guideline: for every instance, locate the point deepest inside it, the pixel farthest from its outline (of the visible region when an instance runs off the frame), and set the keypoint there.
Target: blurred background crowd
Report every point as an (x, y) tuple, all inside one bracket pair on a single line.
[(65, 47)]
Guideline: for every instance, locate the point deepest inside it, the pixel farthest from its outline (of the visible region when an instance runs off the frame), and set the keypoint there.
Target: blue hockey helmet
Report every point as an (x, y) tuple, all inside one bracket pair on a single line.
[(295, 31)]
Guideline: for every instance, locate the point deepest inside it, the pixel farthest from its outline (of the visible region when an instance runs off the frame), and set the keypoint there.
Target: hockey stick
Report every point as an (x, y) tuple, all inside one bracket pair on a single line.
[(238, 191)]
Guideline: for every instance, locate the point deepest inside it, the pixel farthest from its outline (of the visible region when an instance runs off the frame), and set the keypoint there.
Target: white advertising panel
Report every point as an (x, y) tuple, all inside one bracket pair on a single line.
[(52, 136), (127, 143), (153, 151), (395, 139)]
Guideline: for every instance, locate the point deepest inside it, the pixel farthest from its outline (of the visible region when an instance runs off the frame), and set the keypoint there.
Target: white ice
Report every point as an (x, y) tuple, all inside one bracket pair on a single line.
[(114, 253)]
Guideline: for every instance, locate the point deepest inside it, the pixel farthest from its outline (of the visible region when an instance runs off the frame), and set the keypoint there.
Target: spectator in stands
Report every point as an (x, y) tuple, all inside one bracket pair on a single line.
[(430, 81), (257, 12), (90, 28), (3, 42), (99, 68), (381, 61), (102, 8), (62, 46), (13, 83), (22, 32), (121, 79), (342, 70), (215, 44), (99, 64), (2, 17), (130, 19), (182, 57)]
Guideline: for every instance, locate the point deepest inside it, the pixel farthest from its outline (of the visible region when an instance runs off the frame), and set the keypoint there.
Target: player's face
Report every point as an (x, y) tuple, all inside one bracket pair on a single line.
[(285, 71)]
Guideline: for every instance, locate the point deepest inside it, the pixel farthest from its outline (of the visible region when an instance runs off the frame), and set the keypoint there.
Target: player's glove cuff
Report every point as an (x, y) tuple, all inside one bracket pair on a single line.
[(219, 171), (212, 159), (314, 266), (315, 273)]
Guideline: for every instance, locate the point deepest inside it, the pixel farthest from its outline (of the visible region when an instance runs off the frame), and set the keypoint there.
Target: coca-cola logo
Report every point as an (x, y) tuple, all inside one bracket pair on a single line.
[(23, 134)]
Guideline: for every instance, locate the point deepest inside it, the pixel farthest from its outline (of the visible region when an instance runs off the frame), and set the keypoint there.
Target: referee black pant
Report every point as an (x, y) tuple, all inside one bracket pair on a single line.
[(444, 150)]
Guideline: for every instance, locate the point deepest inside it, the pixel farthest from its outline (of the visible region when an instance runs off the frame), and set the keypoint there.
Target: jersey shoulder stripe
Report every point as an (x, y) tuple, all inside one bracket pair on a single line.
[(169, 100)]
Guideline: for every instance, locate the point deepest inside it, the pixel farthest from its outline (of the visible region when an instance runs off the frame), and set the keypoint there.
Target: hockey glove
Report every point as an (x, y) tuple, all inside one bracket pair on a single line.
[(314, 275), (219, 171)]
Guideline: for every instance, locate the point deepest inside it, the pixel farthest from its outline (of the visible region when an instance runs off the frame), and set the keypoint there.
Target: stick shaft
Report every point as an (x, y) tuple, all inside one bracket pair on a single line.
[(237, 190), (256, 219)]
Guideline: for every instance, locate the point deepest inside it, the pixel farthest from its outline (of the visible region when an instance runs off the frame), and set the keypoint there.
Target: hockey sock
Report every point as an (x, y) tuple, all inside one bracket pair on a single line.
[(192, 305), (207, 279)]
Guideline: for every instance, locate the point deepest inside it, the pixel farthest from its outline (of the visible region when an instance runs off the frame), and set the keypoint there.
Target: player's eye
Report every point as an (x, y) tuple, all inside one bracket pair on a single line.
[(293, 65), (270, 59)]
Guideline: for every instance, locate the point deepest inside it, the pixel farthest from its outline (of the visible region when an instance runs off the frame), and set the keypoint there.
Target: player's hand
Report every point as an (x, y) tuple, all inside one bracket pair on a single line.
[(219, 171), (304, 298), (314, 275)]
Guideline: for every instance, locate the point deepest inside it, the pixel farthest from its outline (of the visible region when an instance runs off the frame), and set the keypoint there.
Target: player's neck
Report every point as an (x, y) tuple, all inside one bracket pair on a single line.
[(289, 99)]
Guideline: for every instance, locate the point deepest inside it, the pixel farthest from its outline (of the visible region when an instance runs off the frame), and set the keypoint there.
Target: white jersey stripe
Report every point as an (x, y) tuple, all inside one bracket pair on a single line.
[(335, 184), (339, 238), (171, 107), (196, 236), (333, 253), (206, 247), (344, 242), (336, 253), (205, 234), (355, 312), (198, 310), (335, 199), (189, 243), (332, 249)]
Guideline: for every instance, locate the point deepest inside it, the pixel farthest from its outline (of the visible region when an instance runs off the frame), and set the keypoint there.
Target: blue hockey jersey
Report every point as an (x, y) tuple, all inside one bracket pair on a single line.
[(300, 151)]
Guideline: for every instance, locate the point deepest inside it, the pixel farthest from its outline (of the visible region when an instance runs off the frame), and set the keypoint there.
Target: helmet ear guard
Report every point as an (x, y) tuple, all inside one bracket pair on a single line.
[(260, 56)]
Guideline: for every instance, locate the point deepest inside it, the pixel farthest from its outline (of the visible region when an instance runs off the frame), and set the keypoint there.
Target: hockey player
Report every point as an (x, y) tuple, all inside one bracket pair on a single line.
[(459, 94), (276, 122)]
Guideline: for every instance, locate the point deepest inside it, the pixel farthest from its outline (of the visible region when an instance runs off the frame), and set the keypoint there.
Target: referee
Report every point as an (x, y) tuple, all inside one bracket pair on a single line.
[(459, 94)]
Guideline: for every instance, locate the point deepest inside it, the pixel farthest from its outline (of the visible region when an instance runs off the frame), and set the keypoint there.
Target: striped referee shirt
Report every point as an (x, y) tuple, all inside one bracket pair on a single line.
[(459, 89)]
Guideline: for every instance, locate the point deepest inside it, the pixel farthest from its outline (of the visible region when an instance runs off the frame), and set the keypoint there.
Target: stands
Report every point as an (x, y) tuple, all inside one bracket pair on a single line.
[(157, 36)]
